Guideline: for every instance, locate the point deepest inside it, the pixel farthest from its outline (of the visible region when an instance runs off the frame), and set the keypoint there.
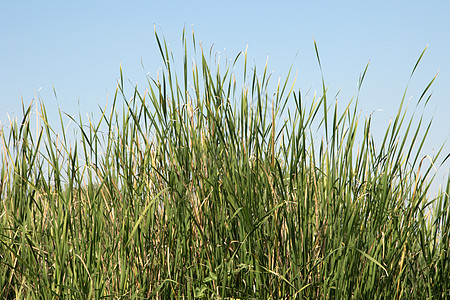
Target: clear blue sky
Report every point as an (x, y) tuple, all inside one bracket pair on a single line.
[(78, 47)]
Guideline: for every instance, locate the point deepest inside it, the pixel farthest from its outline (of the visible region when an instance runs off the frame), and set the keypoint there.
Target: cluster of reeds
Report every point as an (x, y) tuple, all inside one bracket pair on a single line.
[(200, 187)]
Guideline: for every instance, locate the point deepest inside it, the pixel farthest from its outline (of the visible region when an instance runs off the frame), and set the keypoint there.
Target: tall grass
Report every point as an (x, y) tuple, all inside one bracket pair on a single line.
[(201, 188)]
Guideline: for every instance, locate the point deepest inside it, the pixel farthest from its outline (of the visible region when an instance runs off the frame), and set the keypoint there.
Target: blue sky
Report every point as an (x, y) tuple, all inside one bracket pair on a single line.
[(77, 48)]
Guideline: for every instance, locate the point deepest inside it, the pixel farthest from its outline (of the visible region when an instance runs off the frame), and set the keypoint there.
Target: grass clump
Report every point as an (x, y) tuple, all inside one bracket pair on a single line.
[(198, 188)]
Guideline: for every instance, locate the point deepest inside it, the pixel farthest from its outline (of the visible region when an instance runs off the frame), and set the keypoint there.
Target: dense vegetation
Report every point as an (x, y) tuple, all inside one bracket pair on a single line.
[(201, 187)]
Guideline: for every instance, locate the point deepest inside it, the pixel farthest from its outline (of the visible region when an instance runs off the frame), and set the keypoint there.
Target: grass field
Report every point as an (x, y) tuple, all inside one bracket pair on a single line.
[(201, 187)]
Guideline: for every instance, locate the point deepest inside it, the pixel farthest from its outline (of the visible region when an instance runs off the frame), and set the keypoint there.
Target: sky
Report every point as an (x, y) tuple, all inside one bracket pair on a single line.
[(74, 50)]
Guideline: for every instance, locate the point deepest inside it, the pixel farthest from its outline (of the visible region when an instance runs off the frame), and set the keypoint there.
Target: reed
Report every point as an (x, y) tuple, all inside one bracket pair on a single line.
[(201, 187)]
